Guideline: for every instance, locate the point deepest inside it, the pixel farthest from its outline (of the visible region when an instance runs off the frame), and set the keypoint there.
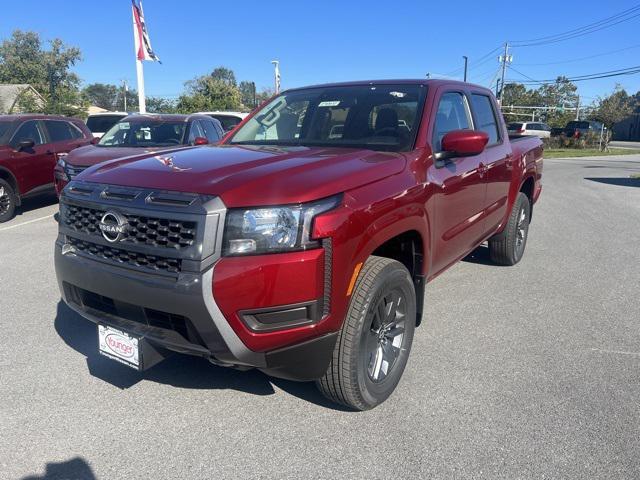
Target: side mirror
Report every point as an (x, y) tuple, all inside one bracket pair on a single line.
[(25, 145), (200, 141), (95, 140), (462, 143)]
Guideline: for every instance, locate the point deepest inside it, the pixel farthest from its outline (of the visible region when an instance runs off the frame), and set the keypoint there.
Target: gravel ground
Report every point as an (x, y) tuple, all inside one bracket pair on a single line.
[(522, 372)]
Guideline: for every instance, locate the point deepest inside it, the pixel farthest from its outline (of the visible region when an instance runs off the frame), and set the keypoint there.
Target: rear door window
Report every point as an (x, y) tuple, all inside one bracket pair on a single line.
[(60, 131), (486, 117), (453, 114)]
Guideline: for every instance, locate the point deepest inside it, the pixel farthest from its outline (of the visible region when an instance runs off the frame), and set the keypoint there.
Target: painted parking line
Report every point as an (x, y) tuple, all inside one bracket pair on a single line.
[(26, 223)]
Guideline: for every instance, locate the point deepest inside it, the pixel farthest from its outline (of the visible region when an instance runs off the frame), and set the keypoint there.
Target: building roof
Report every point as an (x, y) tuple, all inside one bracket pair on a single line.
[(10, 93)]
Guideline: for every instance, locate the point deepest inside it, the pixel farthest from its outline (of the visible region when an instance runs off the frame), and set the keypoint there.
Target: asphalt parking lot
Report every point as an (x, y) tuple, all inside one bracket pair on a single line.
[(523, 372)]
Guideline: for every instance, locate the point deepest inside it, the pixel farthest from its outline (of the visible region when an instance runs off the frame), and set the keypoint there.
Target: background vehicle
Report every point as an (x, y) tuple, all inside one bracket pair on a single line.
[(229, 120), (580, 128), (28, 148), (100, 123), (291, 249), (137, 134), (537, 129)]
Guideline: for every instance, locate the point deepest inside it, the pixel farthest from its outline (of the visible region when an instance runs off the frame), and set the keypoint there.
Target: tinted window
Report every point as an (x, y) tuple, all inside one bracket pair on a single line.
[(145, 133), (228, 122), (102, 123), (28, 131), (486, 117), (380, 117), (210, 130), (515, 126), (453, 114), (5, 131), (195, 131), (61, 131)]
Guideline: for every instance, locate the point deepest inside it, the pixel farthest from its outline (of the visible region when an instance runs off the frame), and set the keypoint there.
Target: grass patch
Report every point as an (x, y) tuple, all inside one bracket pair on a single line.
[(586, 152), (635, 175)]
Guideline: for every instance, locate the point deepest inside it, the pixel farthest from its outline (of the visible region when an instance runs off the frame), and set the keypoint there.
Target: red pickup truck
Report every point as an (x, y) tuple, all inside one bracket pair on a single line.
[(303, 244)]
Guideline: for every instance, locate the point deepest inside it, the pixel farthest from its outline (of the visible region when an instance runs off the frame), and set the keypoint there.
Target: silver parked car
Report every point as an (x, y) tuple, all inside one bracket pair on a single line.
[(535, 129)]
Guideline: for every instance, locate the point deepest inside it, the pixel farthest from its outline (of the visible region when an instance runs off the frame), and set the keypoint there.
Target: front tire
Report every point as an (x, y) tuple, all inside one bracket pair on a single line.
[(507, 248), (375, 340), (7, 201)]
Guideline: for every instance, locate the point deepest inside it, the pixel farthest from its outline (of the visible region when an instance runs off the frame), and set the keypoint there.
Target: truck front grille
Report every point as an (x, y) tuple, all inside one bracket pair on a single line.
[(141, 230), (72, 172), (127, 257)]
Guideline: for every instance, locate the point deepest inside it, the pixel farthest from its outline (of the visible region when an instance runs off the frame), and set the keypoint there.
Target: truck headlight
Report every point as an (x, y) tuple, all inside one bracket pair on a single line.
[(287, 228)]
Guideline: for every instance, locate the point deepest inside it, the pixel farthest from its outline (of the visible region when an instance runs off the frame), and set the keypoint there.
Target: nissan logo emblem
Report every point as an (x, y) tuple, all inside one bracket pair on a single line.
[(113, 227)]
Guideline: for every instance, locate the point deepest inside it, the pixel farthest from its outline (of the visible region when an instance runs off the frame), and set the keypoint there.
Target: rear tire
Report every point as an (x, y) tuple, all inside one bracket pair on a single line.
[(375, 340), (7, 201), (507, 248)]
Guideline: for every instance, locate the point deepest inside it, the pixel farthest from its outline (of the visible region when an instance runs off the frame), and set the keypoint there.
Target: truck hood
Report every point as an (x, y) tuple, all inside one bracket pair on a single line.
[(91, 154), (251, 175)]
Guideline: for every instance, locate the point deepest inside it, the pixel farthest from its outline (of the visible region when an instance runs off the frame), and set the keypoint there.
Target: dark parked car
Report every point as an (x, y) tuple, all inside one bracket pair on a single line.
[(138, 134), (580, 128), (28, 148), (100, 123)]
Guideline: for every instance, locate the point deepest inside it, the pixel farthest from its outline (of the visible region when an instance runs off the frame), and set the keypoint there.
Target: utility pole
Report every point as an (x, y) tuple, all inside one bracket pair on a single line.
[(504, 59), (578, 109), (466, 61)]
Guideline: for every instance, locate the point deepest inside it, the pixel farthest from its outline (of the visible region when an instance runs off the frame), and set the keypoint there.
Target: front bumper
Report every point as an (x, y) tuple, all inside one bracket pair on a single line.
[(210, 335), (177, 311)]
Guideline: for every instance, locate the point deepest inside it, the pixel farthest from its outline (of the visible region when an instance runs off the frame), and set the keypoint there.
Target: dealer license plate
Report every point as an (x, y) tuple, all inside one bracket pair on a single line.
[(119, 346)]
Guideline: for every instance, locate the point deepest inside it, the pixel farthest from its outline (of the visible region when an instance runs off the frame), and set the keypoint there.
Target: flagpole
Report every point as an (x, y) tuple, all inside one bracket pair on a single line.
[(142, 105)]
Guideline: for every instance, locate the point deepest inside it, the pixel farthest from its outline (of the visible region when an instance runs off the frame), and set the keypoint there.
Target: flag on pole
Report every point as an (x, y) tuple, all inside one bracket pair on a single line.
[(141, 35)]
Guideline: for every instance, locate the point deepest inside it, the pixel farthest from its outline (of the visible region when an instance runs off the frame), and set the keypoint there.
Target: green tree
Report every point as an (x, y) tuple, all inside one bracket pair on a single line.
[(614, 108), (160, 105), (23, 59), (247, 93), (101, 95), (216, 91), (225, 75), (560, 94)]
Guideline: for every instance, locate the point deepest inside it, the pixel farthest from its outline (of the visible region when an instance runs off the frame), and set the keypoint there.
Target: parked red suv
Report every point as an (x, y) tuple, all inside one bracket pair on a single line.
[(302, 246), (28, 148), (140, 133)]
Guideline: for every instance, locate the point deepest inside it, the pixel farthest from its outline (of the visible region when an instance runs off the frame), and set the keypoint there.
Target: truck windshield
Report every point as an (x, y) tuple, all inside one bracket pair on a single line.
[(376, 117), (144, 134)]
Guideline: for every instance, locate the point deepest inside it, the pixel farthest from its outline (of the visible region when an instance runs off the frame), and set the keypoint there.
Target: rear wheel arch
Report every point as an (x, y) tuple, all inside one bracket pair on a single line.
[(6, 175), (527, 187)]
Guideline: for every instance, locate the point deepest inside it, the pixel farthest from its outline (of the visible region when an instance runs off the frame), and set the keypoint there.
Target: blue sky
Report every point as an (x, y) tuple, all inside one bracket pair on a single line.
[(332, 40)]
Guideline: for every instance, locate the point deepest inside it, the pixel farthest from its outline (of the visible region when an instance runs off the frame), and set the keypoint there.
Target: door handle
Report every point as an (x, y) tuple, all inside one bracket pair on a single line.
[(482, 169), (49, 152)]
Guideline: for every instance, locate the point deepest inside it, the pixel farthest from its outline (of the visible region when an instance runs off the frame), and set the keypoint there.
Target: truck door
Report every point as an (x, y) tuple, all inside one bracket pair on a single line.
[(497, 162), (33, 166), (458, 185)]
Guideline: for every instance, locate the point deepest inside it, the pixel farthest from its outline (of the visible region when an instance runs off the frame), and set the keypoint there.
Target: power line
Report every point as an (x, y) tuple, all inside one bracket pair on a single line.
[(578, 59), (590, 76), (605, 23)]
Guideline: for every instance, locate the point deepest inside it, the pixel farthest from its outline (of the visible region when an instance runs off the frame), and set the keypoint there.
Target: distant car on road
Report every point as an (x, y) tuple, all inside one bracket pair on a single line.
[(229, 120), (136, 134), (580, 128), (536, 129), (100, 123), (28, 148)]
